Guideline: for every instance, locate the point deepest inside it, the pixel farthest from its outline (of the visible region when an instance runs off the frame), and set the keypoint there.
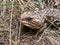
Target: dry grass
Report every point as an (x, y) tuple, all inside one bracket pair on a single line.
[(11, 29)]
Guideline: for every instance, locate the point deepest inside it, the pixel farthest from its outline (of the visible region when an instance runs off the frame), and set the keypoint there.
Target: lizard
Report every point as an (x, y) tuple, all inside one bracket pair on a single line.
[(36, 19)]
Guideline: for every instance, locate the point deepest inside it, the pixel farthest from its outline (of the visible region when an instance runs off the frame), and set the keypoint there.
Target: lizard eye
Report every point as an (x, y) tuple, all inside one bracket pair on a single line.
[(29, 18)]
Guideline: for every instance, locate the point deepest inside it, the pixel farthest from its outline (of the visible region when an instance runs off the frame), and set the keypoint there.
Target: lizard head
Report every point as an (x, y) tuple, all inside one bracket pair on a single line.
[(31, 20)]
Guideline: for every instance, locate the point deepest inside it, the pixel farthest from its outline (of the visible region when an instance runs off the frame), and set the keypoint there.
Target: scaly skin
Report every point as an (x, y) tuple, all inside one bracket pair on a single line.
[(35, 19)]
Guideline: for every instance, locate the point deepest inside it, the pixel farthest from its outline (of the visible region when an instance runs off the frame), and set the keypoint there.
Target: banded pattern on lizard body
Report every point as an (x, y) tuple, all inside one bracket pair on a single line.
[(35, 19)]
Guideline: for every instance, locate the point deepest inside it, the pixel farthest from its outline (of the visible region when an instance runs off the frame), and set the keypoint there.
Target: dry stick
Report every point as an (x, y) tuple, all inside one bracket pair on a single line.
[(52, 40), (41, 30), (3, 12), (11, 20), (21, 1), (19, 26), (4, 8)]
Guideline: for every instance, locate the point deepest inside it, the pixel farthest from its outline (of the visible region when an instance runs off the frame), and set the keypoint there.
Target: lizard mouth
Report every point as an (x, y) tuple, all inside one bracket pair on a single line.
[(33, 25)]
